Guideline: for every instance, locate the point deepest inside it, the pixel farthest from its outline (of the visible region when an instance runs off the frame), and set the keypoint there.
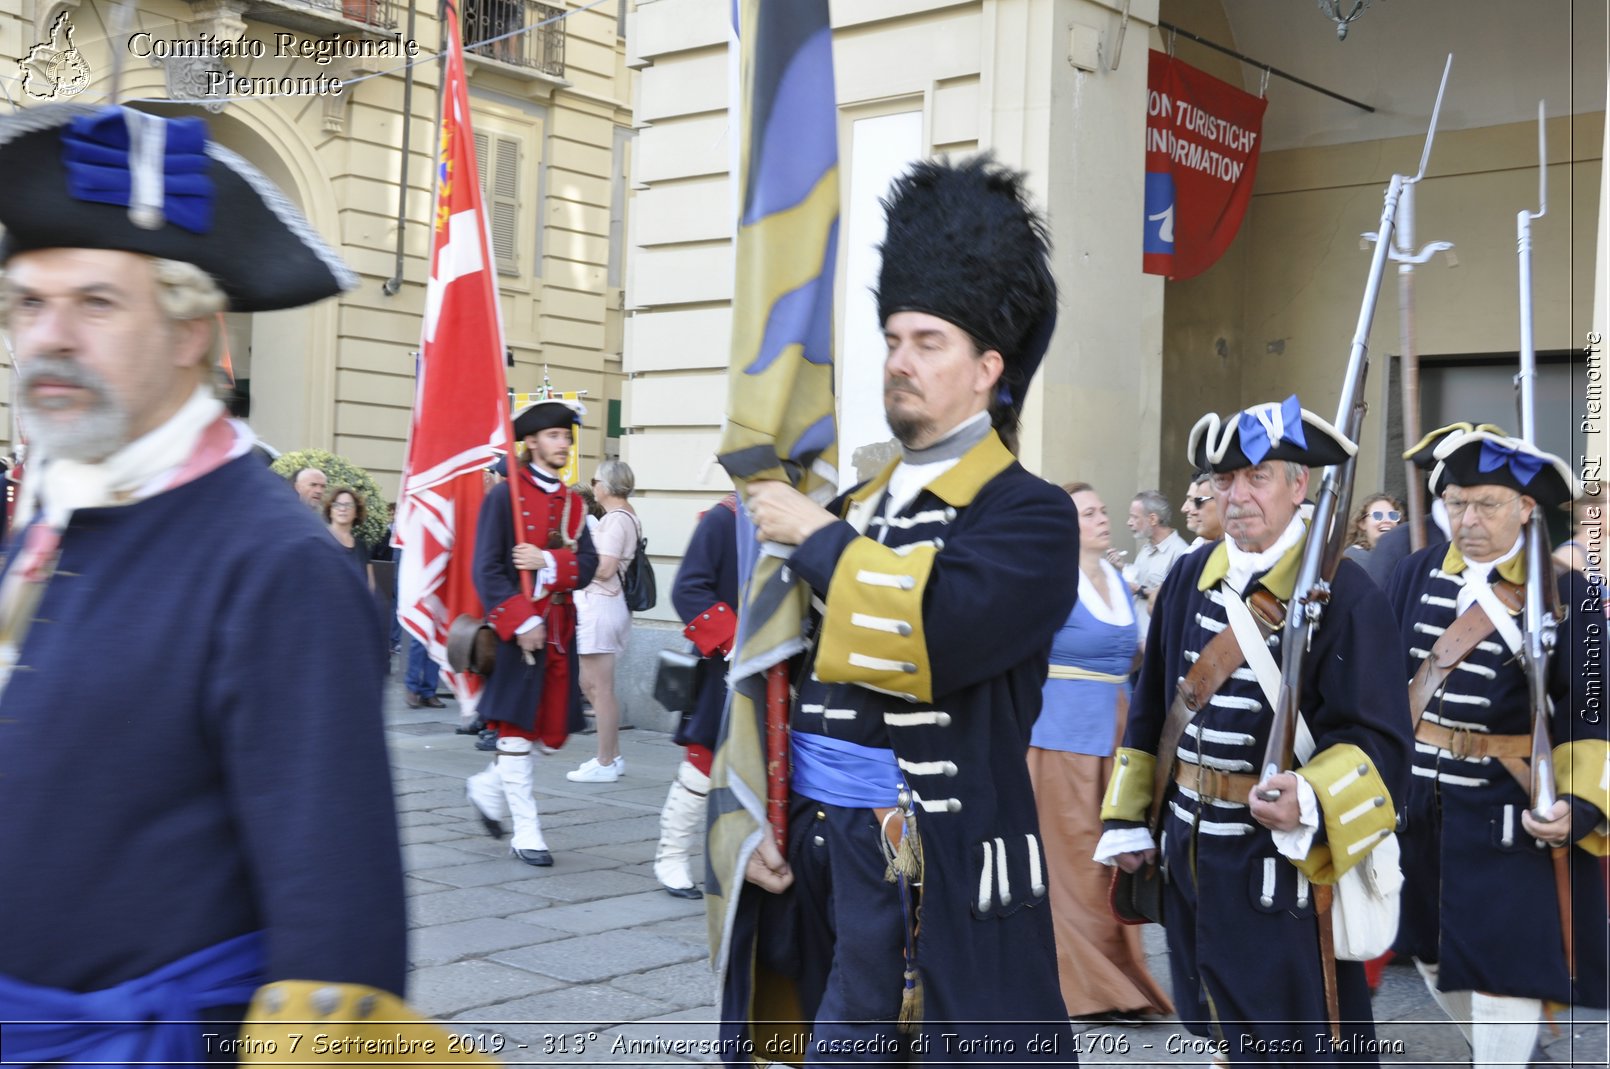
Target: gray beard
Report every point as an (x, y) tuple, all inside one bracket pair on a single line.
[(89, 436)]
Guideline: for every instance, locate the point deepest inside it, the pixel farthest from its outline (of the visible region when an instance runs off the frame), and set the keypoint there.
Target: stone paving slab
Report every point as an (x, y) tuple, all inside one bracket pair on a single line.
[(563, 1011), (626, 911), (427, 833), (464, 903), (443, 943), (584, 886), (443, 990), (688, 984), (648, 795), (420, 857), (633, 853), (692, 929), (416, 818), (485, 873), (586, 959)]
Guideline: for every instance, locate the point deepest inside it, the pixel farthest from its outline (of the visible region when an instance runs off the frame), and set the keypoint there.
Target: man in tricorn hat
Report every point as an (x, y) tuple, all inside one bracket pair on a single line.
[(1482, 906), (191, 751), (1398, 543), (945, 578), (1241, 858), (533, 697)]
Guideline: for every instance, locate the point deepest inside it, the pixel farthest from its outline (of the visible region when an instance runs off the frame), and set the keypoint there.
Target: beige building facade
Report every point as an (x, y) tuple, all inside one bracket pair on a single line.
[(551, 98), (1058, 88)]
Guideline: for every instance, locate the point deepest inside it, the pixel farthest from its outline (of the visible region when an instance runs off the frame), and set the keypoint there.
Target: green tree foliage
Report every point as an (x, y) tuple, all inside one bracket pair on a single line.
[(341, 472)]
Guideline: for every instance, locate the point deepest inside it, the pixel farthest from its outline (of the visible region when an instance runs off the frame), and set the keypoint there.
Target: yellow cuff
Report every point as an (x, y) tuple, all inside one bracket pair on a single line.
[(313, 1023), (872, 632), (1356, 807), (1129, 792), (1582, 769)]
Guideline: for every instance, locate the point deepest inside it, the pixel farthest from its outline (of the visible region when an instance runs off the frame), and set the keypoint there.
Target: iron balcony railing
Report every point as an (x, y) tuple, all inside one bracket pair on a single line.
[(523, 33), (376, 13)]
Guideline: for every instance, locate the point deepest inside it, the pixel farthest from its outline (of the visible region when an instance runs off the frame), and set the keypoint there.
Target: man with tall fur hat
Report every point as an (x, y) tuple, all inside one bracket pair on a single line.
[(191, 750), (944, 579), (533, 697), (1238, 899), (1481, 909)]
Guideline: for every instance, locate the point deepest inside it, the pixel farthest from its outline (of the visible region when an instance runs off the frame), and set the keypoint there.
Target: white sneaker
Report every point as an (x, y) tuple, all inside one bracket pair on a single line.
[(620, 765), (593, 772)]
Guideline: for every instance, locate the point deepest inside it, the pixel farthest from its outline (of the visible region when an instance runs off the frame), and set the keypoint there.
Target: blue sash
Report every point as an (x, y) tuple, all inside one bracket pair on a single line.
[(843, 773), (125, 1025)]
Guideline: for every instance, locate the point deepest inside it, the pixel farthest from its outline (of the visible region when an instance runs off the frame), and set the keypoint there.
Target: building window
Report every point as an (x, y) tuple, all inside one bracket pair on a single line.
[(522, 33), (498, 159)]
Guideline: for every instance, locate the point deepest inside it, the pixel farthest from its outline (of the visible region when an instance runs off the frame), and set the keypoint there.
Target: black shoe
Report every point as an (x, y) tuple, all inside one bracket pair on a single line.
[(468, 729), (488, 741), (413, 700), (493, 828), (431, 701), (540, 858), (684, 892)]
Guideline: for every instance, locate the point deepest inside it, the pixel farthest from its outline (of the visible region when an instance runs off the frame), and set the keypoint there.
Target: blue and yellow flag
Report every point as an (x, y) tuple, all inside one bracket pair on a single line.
[(780, 422)]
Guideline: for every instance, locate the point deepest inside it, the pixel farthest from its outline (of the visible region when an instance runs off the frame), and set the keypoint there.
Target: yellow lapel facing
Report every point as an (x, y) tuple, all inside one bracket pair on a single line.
[(1279, 580)]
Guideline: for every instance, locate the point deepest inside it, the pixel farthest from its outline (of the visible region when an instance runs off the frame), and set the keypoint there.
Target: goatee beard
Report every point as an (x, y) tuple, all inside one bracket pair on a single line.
[(89, 435), (909, 429)]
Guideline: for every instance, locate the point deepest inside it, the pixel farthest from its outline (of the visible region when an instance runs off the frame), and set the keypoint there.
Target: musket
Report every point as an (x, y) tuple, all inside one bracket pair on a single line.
[(1322, 552), (1541, 612)]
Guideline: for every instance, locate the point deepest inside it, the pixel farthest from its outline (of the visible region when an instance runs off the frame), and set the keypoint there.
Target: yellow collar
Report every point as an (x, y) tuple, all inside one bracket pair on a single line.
[(1279, 580), (1513, 569), (961, 483)]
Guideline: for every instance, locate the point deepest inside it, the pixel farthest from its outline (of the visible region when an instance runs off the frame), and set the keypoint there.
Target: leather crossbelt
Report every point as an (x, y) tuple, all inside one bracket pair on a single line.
[(1512, 751), (1454, 645), (1215, 784)]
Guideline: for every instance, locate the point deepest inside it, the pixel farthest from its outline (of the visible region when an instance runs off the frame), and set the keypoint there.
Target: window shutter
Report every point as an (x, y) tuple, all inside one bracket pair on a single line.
[(480, 160), (503, 204)]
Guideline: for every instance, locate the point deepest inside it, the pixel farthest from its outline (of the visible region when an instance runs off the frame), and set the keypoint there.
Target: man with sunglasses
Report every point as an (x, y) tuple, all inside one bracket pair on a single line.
[(1201, 510), (1481, 907)]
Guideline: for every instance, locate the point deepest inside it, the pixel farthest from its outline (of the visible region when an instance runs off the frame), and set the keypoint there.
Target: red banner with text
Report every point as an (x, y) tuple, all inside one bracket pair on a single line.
[(1202, 141)]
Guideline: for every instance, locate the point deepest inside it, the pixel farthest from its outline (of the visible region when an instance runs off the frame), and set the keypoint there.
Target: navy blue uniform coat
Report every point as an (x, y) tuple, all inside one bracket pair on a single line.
[(191, 748)]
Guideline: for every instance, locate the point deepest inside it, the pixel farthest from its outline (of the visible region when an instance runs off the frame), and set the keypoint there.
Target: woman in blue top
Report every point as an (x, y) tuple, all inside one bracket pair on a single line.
[(1100, 963)]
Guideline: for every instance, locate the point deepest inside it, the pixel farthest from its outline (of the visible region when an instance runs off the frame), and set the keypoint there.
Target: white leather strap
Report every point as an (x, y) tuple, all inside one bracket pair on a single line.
[(1262, 663), (1503, 622)]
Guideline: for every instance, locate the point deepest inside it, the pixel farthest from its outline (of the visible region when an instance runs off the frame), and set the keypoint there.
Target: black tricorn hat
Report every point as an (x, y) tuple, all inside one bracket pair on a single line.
[(1483, 458), (86, 177), (545, 414), (1423, 453), (1276, 430), (964, 244)]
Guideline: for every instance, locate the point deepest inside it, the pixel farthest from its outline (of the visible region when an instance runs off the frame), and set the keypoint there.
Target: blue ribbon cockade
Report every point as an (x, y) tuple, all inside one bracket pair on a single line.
[(1494, 455), (100, 154), (1265, 427)]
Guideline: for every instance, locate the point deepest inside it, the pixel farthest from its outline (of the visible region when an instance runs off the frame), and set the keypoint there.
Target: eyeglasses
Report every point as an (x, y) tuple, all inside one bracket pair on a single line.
[(342, 505), (1389, 514), (1485, 509), (1199, 501)]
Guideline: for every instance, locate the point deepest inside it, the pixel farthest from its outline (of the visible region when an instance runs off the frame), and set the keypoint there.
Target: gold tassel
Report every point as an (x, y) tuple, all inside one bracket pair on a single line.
[(911, 1003)]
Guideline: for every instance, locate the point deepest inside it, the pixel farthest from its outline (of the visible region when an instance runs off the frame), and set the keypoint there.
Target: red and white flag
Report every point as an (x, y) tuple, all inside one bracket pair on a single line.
[(461, 419)]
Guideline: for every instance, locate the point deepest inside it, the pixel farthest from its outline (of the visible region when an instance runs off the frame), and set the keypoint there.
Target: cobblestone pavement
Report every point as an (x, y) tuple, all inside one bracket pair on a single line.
[(590, 962)]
